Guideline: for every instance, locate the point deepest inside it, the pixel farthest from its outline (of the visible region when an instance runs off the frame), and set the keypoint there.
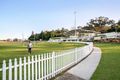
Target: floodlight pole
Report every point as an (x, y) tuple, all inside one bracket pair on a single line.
[(116, 30), (75, 21)]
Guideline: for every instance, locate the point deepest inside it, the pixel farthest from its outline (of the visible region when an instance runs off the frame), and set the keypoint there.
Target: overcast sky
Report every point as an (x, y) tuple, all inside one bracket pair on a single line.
[(19, 17)]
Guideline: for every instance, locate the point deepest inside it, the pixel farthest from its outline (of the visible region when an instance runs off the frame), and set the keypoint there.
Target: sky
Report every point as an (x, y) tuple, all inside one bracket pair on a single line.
[(18, 18)]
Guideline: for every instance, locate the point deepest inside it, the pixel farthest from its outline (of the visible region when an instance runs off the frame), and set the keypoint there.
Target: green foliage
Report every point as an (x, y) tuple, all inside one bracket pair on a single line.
[(46, 35), (118, 23), (114, 29)]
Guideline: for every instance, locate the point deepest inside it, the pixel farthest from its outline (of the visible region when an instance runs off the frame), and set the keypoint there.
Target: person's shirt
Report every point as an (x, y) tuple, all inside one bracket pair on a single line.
[(30, 45)]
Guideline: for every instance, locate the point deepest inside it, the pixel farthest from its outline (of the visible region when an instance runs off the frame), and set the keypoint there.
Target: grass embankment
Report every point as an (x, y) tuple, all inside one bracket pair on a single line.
[(109, 67)]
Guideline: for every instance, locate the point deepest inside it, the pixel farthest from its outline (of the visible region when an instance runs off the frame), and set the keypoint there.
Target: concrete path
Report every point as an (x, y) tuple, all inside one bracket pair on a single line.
[(85, 69)]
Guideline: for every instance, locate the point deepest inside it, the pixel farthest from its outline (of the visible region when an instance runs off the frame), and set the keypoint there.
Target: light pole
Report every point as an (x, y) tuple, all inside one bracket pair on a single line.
[(22, 37), (75, 21), (116, 25)]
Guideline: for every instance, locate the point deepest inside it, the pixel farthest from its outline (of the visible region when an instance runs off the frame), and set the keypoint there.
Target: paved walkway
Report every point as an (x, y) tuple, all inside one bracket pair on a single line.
[(85, 69)]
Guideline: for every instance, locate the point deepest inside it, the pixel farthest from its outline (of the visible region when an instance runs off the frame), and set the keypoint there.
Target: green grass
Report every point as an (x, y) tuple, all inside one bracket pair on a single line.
[(11, 50), (109, 67)]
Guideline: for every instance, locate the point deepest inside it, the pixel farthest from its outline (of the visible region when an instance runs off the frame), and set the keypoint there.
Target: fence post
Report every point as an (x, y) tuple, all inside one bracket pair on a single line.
[(10, 69), (42, 67), (53, 63), (20, 69), (35, 67), (28, 67), (76, 55), (39, 66), (32, 67), (15, 69), (45, 66), (24, 68), (4, 70)]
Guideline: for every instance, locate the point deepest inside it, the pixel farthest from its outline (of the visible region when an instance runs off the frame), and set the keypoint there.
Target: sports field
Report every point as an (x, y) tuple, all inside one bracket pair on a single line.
[(11, 50), (109, 67)]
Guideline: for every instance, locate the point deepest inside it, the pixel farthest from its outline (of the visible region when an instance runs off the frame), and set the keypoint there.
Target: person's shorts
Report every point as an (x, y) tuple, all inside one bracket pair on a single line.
[(29, 49)]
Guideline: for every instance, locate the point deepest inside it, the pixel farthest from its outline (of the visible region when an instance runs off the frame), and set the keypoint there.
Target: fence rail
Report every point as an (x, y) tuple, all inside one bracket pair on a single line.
[(44, 66)]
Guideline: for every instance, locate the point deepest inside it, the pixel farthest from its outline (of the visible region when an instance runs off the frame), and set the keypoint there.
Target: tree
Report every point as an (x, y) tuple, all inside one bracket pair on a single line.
[(118, 23), (31, 38), (115, 27), (64, 32), (101, 24)]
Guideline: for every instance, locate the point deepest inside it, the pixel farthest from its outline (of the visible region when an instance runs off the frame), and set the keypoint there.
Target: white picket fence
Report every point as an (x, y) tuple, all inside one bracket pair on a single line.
[(44, 66)]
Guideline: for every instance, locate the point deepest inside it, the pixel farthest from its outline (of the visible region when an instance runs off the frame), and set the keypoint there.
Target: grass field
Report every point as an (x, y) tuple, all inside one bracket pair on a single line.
[(109, 67), (11, 50)]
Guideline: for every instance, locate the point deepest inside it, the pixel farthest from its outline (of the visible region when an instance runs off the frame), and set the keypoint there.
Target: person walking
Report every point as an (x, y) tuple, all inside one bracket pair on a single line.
[(29, 47)]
